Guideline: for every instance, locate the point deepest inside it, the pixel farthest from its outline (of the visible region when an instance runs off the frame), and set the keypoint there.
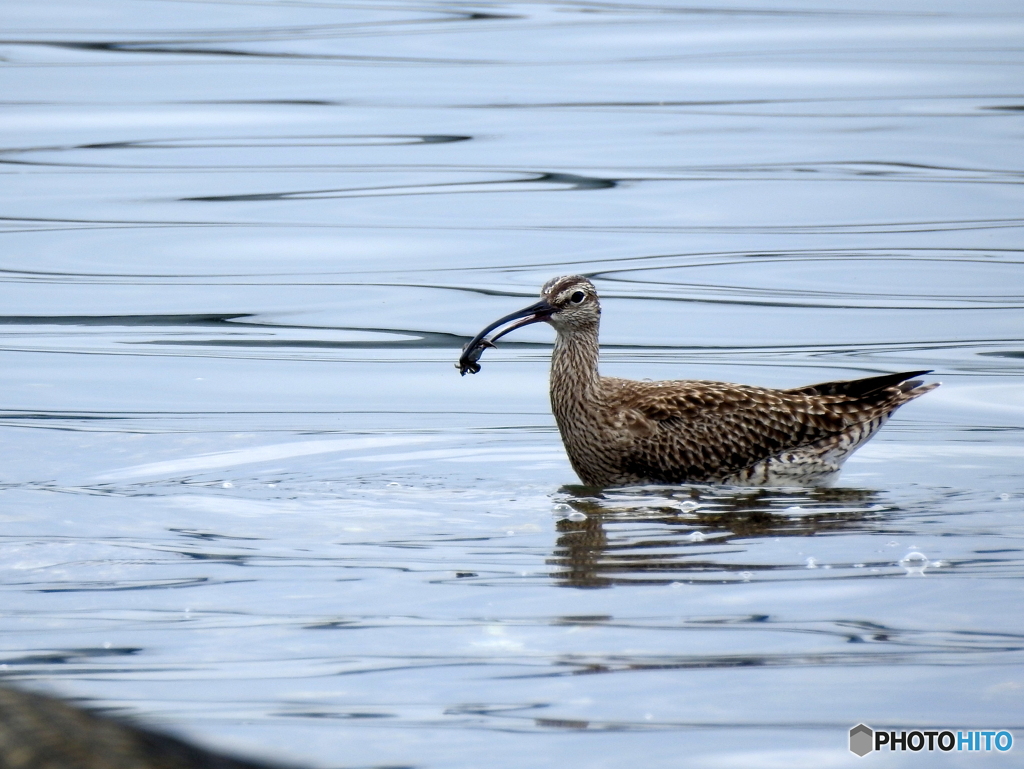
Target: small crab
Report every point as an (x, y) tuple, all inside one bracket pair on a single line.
[(470, 356)]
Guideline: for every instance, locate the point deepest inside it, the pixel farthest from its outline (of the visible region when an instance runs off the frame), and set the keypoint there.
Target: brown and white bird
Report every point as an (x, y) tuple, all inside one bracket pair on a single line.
[(621, 431)]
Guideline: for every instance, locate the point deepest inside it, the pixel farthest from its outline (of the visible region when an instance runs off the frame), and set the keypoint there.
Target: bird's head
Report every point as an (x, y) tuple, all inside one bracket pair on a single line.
[(574, 302)]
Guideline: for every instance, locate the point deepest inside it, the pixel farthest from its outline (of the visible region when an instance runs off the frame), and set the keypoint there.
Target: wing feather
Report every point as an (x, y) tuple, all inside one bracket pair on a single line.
[(701, 430)]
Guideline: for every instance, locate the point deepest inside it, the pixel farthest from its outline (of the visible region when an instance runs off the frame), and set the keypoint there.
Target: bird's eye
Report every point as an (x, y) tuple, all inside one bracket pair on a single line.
[(577, 297)]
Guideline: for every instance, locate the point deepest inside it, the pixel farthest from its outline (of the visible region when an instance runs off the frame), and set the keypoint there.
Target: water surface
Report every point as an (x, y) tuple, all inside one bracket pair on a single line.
[(248, 499)]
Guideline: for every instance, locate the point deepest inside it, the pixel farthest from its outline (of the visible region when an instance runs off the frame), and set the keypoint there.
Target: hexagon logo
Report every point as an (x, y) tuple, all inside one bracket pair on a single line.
[(862, 740)]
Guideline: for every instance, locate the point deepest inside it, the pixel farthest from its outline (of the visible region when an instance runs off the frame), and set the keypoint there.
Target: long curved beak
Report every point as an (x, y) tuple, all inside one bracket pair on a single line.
[(471, 353)]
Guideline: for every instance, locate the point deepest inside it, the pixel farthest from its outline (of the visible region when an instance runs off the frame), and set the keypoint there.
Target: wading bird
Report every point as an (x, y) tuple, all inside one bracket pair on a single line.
[(621, 431)]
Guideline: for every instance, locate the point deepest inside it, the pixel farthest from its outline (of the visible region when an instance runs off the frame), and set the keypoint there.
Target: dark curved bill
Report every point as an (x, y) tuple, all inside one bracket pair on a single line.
[(475, 347)]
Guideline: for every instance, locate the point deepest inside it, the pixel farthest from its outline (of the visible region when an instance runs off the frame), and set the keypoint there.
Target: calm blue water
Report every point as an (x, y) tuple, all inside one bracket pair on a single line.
[(246, 497)]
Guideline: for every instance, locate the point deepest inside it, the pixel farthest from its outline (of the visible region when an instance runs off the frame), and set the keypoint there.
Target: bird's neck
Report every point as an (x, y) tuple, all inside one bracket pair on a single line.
[(578, 404), (574, 375)]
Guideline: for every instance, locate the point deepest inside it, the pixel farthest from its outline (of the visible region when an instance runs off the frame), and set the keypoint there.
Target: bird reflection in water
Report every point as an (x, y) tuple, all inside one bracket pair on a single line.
[(590, 553)]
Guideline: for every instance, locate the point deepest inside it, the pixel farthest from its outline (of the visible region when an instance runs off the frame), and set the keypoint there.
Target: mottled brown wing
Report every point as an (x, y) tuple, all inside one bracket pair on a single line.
[(705, 430)]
